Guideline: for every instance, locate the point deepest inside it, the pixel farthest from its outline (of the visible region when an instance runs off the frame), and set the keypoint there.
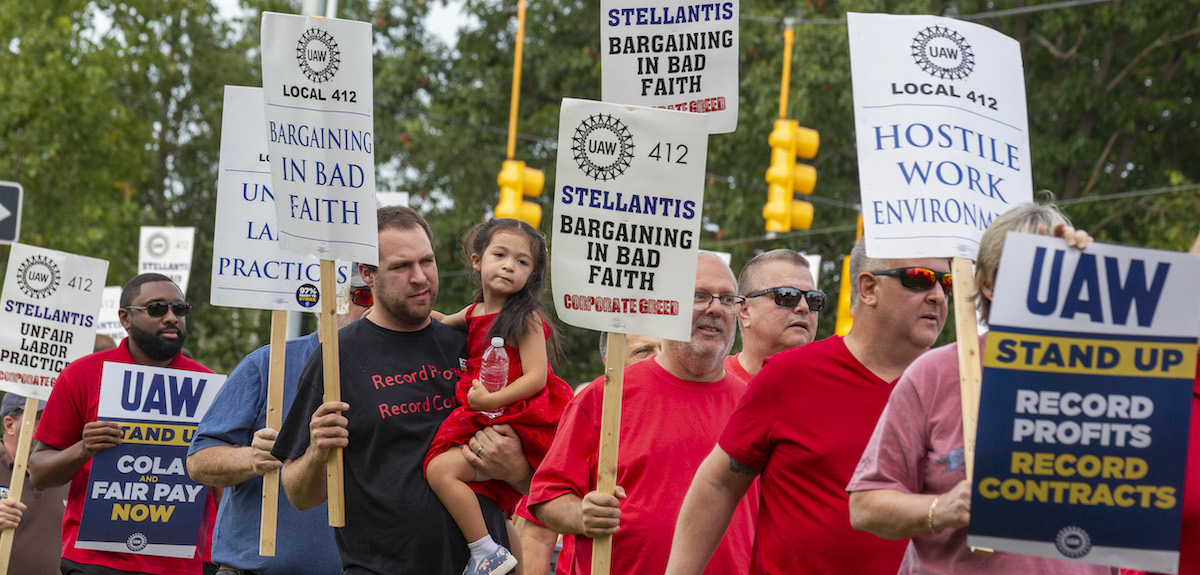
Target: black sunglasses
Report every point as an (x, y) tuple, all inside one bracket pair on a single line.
[(921, 279), (159, 308), (361, 296), (790, 297)]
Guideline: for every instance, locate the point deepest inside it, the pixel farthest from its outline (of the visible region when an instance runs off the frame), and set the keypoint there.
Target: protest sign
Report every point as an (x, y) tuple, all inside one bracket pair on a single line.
[(139, 497), (318, 86), (1087, 386), (943, 135), (167, 251), (48, 318), (107, 321), (250, 269), (814, 266), (674, 55), (627, 210)]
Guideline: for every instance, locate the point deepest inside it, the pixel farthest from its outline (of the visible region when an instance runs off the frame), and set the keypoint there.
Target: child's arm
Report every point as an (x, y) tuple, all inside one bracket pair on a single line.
[(456, 320), (532, 347)]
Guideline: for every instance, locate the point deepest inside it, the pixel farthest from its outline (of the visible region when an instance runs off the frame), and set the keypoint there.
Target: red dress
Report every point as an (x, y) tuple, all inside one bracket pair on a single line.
[(535, 419)]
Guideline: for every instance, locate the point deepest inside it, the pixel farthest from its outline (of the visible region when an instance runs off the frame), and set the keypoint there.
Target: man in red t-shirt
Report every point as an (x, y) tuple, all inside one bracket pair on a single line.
[(803, 424), (68, 435), (781, 308), (673, 408)]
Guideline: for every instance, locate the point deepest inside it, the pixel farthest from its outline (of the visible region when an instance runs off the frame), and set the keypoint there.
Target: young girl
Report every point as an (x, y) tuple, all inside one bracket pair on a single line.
[(510, 261)]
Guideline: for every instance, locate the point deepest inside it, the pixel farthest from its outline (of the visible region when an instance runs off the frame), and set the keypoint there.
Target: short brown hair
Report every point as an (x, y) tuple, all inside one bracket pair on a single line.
[(750, 278), (402, 218)]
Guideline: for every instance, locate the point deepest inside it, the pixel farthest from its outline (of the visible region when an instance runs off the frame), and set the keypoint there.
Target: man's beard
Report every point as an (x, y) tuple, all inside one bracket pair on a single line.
[(156, 347), (401, 309)]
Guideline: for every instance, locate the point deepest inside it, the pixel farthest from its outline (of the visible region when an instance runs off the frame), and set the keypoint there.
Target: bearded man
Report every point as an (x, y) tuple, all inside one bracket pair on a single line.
[(153, 311)]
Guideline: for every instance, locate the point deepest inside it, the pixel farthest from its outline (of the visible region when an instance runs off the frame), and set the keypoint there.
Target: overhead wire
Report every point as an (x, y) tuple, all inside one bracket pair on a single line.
[(976, 16)]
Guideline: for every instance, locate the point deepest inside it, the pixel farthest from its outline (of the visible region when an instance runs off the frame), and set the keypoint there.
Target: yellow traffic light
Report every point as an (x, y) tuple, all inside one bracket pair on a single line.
[(785, 177), (845, 319), (517, 181)]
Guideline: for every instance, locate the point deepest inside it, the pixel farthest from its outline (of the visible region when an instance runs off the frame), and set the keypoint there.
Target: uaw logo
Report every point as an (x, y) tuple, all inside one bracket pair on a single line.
[(1073, 542), (943, 53), (38, 277), (317, 55), (157, 244), (137, 541), (602, 146)]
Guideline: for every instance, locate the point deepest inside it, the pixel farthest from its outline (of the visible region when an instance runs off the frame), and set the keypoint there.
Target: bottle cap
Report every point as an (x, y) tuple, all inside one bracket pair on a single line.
[(497, 342)]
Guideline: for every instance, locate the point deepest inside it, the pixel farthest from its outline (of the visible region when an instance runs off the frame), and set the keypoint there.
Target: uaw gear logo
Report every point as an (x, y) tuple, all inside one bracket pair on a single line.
[(1073, 542), (317, 55), (38, 277), (602, 146), (943, 53), (137, 541), (158, 244)]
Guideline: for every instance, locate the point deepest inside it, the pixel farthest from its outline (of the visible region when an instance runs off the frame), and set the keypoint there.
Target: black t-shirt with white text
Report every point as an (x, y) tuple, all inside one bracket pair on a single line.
[(400, 386)]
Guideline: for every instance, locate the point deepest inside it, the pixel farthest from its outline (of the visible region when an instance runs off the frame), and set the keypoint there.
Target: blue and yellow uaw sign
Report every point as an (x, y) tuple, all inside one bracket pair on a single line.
[(1083, 419), (139, 497)]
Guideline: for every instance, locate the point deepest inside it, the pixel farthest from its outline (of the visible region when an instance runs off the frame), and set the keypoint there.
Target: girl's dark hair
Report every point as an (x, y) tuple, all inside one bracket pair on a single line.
[(513, 320)]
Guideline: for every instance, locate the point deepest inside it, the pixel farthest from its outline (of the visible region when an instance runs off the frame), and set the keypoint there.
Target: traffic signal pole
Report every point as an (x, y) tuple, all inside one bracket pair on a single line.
[(515, 101), (788, 140), (515, 180), (789, 38)]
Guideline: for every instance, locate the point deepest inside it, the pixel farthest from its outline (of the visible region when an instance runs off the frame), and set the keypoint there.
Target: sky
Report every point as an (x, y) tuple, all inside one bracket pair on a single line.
[(444, 18)]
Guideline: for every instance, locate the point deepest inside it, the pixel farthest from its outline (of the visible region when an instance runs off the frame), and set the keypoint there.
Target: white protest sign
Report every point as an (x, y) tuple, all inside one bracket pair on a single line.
[(139, 497), (391, 199), (318, 85), (814, 266), (672, 54), (48, 318), (943, 134), (249, 268), (1087, 389), (627, 211), (108, 322), (167, 251)]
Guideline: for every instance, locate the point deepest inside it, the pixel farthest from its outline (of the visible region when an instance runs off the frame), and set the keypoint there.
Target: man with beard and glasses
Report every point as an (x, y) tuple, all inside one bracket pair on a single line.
[(673, 408), (152, 310), (398, 372)]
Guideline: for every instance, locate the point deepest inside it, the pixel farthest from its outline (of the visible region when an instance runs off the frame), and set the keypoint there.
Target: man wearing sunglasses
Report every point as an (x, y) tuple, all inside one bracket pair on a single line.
[(805, 421), (153, 311), (232, 448), (780, 311), (672, 409)]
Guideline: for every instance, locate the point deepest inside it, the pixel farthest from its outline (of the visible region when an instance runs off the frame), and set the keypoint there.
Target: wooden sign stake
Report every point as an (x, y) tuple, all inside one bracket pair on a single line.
[(270, 486), (970, 372), (610, 435), (333, 388), (17, 485)]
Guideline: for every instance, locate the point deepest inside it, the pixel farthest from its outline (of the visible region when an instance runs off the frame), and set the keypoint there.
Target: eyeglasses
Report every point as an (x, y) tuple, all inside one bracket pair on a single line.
[(790, 297), (361, 296), (729, 303), (159, 308), (920, 279)]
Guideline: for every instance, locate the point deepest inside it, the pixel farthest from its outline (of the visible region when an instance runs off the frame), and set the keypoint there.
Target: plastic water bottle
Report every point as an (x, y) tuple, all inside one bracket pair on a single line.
[(493, 371)]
